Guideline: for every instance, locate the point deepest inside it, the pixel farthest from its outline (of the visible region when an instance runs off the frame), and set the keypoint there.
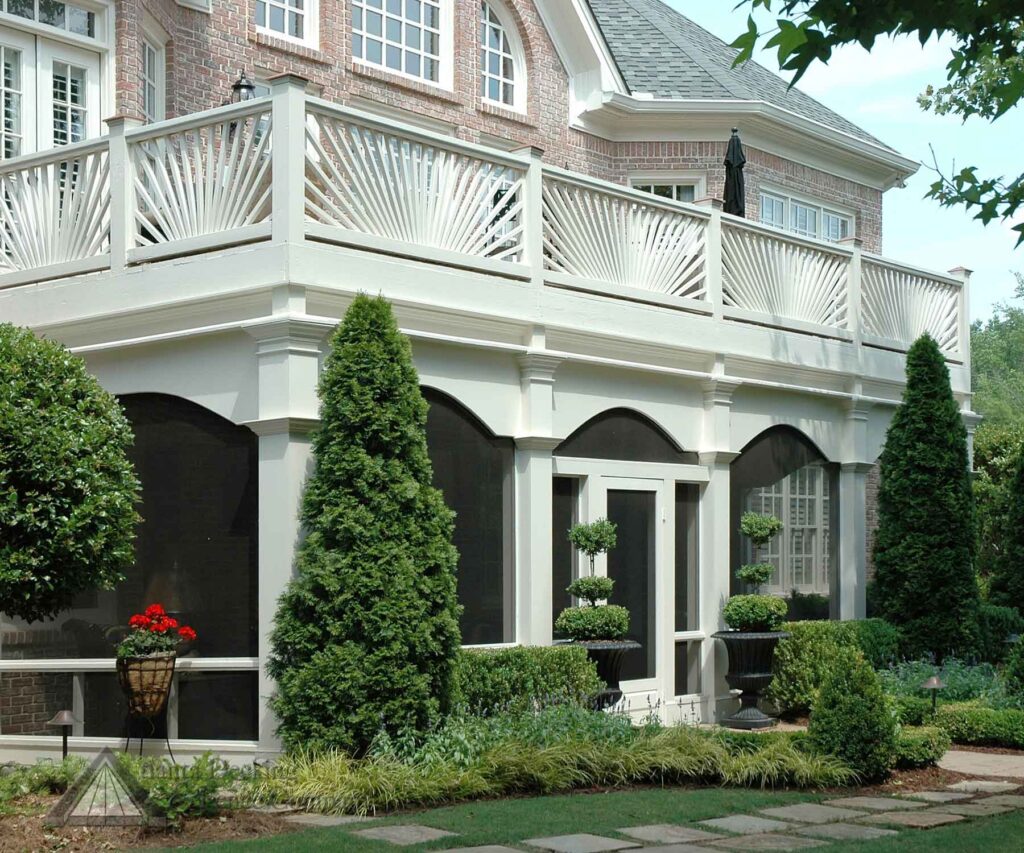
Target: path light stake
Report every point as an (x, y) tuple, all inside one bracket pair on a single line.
[(64, 719), (934, 684)]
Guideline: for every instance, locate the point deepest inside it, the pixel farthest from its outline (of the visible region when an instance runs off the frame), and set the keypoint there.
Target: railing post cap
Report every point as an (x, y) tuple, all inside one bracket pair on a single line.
[(124, 121), (710, 201), (288, 79), (852, 242), (534, 151), (961, 272)]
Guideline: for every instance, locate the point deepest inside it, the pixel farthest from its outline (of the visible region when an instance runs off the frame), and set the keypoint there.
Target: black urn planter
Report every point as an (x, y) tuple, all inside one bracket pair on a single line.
[(750, 671), (608, 656)]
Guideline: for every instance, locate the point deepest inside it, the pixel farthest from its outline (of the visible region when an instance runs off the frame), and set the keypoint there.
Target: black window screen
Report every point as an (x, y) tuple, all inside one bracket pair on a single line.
[(626, 436), (564, 498)]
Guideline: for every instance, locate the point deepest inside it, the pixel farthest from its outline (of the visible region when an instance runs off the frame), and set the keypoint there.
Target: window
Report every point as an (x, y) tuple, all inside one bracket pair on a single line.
[(498, 65), (153, 70), (294, 20), (63, 16), (10, 96), (805, 217), (404, 36), (683, 191), (68, 103)]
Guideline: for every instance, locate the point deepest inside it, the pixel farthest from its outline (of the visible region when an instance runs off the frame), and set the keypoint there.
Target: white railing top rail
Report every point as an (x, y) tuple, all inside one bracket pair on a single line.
[(731, 221), (216, 115), (27, 162), (415, 134), (625, 193), (910, 269)]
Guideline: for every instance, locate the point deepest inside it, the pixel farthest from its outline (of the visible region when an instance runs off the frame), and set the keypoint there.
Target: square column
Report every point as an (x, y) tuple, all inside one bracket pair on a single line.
[(853, 538)]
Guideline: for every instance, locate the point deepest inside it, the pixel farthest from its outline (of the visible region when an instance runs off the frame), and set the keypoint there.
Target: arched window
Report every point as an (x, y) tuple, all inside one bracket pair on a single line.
[(502, 63), (474, 469), (624, 435), (782, 473)]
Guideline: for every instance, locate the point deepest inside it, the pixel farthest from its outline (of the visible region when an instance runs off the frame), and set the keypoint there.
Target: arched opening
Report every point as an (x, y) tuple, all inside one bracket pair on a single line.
[(624, 435), (475, 470), (783, 473), (503, 64)]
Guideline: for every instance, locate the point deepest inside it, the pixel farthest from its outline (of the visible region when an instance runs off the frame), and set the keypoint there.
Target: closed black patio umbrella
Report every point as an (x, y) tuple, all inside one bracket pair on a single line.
[(735, 191)]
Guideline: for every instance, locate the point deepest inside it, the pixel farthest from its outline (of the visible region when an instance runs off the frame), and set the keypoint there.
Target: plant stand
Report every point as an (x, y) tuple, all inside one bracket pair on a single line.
[(146, 683), (750, 671), (608, 656)]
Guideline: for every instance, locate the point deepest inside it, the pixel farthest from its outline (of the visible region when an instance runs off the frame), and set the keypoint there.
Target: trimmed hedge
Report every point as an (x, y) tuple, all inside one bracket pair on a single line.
[(995, 625), (517, 679), (920, 746), (974, 725)]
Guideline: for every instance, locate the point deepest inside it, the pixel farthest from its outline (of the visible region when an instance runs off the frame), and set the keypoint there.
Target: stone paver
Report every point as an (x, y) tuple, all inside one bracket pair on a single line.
[(274, 809), (973, 809), (915, 820), (983, 764), (743, 824), (937, 796), (875, 804), (983, 786), (846, 832), (1014, 801), (580, 843), (326, 819), (811, 813), (404, 834), (486, 848), (767, 842), (679, 848), (666, 833)]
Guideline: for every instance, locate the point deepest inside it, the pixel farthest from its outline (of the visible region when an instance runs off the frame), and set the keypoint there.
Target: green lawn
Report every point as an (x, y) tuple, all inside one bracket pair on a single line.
[(510, 821)]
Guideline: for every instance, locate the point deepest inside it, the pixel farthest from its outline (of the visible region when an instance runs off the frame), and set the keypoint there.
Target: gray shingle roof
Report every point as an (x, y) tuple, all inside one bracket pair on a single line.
[(667, 55)]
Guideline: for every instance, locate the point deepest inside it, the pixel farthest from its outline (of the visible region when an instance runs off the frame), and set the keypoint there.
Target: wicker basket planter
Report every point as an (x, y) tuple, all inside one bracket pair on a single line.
[(146, 682)]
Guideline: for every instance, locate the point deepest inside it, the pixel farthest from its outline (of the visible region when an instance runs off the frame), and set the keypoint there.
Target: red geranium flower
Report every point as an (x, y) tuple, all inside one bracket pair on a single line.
[(155, 610), (186, 633), (139, 621)]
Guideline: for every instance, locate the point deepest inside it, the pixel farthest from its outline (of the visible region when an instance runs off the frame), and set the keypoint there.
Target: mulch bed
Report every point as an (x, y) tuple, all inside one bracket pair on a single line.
[(995, 750), (27, 833)]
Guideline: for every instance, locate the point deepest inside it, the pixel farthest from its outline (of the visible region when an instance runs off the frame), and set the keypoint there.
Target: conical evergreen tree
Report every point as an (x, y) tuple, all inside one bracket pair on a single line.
[(367, 633), (1007, 586), (924, 547)]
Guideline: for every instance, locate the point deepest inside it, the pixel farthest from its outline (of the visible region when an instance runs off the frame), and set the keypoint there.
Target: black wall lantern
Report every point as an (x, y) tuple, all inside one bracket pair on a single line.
[(243, 89)]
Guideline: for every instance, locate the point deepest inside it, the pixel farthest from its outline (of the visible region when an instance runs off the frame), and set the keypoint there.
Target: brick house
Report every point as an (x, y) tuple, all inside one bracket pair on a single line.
[(532, 183)]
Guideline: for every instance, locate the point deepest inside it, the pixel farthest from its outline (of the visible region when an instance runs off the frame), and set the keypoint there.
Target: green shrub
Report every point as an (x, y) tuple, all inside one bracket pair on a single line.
[(758, 528), (964, 682), (1007, 581), (755, 574), (995, 625), (367, 634), (806, 606), (67, 488), (852, 719), (878, 640), (603, 622), (974, 725), (920, 746), (913, 710), (45, 777), (524, 677), (593, 539), (592, 589), (754, 612), (177, 791), (924, 545), (1013, 672)]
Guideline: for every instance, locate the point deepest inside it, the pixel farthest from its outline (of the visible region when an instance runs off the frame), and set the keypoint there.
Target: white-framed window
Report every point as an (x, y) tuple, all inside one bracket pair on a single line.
[(502, 60), (675, 192), (11, 92), (153, 71), (69, 103), (805, 216), (675, 186), (292, 20), (412, 38), (70, 17)]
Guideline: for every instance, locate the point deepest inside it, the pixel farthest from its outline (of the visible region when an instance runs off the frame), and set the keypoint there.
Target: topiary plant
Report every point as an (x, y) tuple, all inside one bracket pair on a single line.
[(756, 612), (593, 621), (67, 488), (594, 539), (367, 634), (853, 720)]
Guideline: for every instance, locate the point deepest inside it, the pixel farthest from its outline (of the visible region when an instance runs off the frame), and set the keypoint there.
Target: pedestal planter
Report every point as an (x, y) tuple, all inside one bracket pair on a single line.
[(750, 671), (146, 682), (608, 656)]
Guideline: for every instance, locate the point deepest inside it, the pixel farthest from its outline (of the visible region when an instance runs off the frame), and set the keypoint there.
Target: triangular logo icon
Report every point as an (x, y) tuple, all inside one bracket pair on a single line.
[(104, 795)]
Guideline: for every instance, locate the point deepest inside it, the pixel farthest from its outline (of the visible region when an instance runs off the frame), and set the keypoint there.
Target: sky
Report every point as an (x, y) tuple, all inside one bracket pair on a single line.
[(879, 92)]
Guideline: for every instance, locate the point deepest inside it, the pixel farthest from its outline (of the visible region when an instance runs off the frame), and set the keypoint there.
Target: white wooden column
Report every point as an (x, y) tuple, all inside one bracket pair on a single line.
[(714, 524), (853, 526), (288, 113), (533, 499), (288, 356), (122, 192)]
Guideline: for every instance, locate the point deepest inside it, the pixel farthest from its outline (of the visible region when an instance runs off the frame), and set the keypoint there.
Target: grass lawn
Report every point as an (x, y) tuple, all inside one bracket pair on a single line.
[(510, 821)]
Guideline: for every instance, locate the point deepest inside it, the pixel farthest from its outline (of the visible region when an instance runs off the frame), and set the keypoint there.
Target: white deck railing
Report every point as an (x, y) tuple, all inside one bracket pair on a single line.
[(292, 168)]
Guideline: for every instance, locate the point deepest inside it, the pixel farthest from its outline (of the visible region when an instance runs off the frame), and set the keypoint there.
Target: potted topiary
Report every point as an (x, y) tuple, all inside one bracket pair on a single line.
[(599, 628), (145, 659), (754, 621)]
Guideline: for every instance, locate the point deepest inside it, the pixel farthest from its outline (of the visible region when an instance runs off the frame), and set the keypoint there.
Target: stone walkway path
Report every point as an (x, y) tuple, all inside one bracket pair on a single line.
[(796, 827), (983, 764)]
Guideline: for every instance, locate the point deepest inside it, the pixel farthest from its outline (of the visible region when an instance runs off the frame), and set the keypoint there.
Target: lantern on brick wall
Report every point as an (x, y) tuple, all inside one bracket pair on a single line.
[(243, 89)]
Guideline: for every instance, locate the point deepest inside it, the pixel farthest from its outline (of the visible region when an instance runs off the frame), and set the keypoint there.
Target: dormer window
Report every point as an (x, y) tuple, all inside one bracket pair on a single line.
[(502, 68), (408, 37)]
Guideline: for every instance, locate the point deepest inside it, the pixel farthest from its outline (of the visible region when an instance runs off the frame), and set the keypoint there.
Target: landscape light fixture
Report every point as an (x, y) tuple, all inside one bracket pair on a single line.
[(64, 719), (934, 684)]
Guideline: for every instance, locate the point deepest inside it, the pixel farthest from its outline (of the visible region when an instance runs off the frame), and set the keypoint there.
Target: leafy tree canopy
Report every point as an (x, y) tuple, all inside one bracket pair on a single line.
[(985, 73), (997, 362)]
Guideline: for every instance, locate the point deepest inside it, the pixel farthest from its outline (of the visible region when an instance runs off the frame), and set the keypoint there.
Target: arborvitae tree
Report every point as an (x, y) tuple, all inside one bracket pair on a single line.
[(1007, 582), (367, 633), (924, 547)]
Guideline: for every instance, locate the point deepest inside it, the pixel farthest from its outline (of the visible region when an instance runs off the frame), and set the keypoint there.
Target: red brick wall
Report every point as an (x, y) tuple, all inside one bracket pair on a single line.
[(28, 700), (206, 52)]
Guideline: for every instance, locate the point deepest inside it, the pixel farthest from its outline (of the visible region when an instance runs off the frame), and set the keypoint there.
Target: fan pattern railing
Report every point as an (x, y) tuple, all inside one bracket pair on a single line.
[(901, 305), (620, 240), (782, 278), (55, 211), (202, 180), (377, 182)]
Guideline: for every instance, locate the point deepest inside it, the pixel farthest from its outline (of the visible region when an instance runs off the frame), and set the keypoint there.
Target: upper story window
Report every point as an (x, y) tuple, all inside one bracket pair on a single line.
[(63, 16), (683, 191), (685, 186), (408, 37), (293, 20), (502, 66), (805, 217), (11, 93), (152, 81)]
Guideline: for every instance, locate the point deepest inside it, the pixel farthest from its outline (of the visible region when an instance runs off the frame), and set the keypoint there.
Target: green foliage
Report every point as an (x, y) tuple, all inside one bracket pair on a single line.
[(804, 606), (997, 372), (1013, 672), (977, 726), (592, 589), (521, 678), (924, 544), (755, 574), (367, 633), (44, 777), (603, 622), (853, 720), (913, 710), (67, 489), (1007, 582), (995, 625), (181, 790), (593, 539), (920, 747), (760, 529), (965, 682), (754, 612), (996, 453), (877, 639)]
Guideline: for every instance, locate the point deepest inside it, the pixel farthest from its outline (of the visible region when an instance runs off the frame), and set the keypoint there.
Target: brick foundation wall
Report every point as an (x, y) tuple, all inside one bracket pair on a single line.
[(28, 700)]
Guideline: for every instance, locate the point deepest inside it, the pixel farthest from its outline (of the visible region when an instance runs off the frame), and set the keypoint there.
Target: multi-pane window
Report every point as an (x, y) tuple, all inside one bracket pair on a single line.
[(152, 81), (401, 35), (10, 94), (677, 191), (286, 18), (806, 218), (63, 16), (68, 103), (497, 63)]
